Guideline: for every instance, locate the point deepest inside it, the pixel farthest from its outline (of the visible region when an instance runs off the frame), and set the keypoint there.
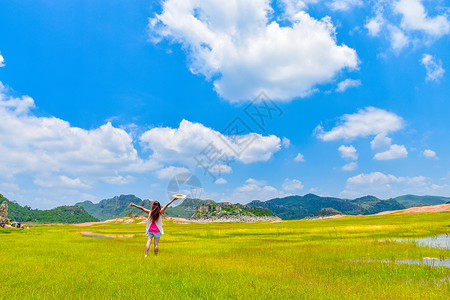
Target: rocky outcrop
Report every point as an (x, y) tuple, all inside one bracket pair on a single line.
[(324, 213), (3, 214), (228, 212), (4, 221)]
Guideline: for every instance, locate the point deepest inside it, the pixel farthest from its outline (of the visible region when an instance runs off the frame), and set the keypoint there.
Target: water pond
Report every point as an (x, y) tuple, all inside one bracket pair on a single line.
[(106, 236), (440, 241)]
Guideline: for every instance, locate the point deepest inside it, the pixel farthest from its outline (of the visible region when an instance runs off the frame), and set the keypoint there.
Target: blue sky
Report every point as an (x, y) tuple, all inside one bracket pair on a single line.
[(100, 98)]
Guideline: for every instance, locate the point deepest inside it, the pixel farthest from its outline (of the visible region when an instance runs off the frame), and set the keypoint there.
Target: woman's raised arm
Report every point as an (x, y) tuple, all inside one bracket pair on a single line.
[(167, 205), (140, 207)]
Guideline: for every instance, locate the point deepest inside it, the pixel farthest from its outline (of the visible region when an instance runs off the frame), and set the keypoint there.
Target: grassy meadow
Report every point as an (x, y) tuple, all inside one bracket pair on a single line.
[(294, 259)]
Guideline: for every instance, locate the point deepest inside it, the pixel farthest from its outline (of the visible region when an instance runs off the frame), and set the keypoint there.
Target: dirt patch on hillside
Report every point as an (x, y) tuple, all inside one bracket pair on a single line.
[(418, 210), (178, 220)]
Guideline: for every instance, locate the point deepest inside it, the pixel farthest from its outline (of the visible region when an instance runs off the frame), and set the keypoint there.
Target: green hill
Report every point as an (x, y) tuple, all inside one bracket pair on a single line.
[(298, 207), (413, 200), (62, 214), (115, 207)]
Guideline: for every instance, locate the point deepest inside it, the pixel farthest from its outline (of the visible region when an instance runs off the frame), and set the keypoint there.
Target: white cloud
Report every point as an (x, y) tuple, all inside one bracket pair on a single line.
[(385, 185), (221, 169), (286, 142), (299, 158), (292, 185), (221, 181), (2, 61), (253, 189), (428, 153), (194, 140), (48, 144), (284, 61), (414, 17), (170, 172), (433, 67), (366, 122), (118, 179), (380, 142), (291, 7), (399, 39), (395, 151), (50, 181), (347, 83), (348, 152), (375, 24), (350, 166), (344, 5), (252, 181), (414, 26)]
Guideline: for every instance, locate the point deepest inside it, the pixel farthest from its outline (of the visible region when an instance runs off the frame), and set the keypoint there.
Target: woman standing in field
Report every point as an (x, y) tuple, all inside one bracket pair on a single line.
[(154, 223)]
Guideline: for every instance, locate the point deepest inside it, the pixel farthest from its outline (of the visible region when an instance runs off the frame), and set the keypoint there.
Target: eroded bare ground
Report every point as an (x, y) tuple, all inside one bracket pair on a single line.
[(418, 210)]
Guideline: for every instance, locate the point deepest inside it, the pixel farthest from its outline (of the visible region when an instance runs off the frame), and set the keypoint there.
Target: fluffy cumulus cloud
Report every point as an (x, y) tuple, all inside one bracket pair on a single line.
[(375, 24), (408, 22), (380, 142), (193, 144), (221, 181), (428, 153), (69, 159), (299, 158), (386, 185), (351, 166), (344, 5), (346, 84), (292, 185), (398, 38), (348, 152), (414, 17), (32, 144), (253, 189), (286, 61), (117, 179), (50, 181), (2, 61), (395, 151), (170, 172), (366, 122), (433, 67)]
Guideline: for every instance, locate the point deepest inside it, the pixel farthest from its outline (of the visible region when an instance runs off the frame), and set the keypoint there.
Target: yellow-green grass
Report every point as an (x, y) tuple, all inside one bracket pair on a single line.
[(294, 259)]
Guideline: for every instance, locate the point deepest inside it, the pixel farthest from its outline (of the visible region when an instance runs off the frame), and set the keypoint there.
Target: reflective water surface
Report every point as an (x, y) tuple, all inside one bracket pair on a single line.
[(440, 241), (106, 236)]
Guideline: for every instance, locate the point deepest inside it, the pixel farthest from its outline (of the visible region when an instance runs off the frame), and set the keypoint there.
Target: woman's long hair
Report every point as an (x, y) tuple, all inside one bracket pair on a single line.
[(156, 210)]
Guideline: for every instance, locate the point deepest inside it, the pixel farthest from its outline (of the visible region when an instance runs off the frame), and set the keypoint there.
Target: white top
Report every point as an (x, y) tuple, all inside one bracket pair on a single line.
[(158, 223)]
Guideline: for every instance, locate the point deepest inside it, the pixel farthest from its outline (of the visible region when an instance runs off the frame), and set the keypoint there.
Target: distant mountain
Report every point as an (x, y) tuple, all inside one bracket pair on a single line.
[(413, 200), (288, 208), (298, 207), (62, 214), (185, 209), (115, 207)]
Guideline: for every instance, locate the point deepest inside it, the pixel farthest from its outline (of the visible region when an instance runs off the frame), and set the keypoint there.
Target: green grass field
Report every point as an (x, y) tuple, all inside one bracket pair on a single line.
[(295, 259)]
